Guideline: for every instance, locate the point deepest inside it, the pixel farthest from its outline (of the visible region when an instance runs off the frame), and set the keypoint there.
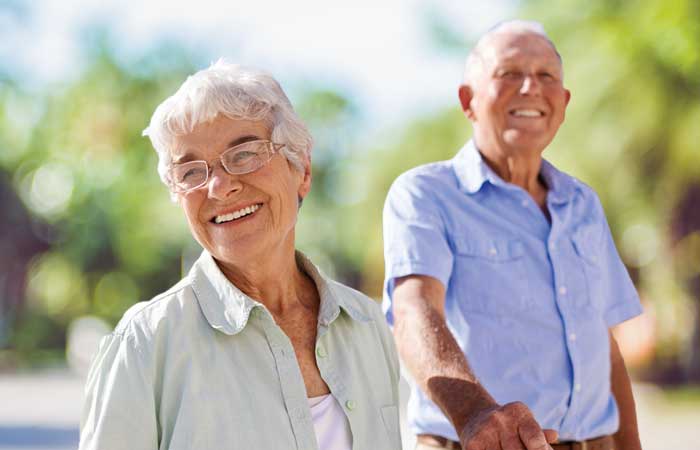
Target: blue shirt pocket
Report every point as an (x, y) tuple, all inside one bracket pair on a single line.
[(588, 243), (490, 275)]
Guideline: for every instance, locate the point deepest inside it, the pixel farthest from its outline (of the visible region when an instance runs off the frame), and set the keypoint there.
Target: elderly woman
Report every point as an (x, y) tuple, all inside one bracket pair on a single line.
[(255, 348)]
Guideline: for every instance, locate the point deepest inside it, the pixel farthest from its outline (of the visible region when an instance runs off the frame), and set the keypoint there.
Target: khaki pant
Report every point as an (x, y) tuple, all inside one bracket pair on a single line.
[(420, 446), (428, 447)]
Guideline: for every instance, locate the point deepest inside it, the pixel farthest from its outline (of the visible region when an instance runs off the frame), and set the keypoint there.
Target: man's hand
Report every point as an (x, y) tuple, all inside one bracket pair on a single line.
[(507, 427)]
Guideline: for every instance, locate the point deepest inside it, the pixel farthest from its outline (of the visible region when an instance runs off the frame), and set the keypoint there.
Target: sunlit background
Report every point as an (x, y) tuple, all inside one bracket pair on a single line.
[(87, 229)]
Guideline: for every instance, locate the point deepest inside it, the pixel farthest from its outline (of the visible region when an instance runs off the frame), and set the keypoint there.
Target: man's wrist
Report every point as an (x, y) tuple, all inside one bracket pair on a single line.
[(465, 402)]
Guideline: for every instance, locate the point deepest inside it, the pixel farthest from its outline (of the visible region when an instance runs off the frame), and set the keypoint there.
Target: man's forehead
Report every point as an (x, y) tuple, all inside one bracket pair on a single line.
[(504, 46)]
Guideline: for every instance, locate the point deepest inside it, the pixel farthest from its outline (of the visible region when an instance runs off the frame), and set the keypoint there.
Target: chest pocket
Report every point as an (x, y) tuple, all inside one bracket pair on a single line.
[(490, 275), (588, 242)]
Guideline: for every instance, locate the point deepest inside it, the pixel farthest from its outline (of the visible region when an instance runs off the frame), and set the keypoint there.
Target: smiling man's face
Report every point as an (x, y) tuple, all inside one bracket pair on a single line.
[(516, 102), (239, 217)]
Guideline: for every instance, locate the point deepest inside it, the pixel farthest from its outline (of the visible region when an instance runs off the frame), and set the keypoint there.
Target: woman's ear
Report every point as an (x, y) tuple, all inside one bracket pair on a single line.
[(305, 185)]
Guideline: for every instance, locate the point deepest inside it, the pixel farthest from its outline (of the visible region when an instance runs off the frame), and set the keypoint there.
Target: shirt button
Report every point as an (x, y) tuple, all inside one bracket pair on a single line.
[(493, 251), (577, 387), (572, 337), (524, 203), (552, 246), (351, 404), (562, 290), (321, 352)]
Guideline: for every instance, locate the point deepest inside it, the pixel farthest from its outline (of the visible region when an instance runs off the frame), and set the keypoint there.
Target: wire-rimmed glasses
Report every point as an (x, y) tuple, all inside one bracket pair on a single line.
[(241, 159)]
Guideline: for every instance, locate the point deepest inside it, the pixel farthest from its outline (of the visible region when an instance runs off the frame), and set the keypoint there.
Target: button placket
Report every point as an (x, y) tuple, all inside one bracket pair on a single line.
[(291, 383)]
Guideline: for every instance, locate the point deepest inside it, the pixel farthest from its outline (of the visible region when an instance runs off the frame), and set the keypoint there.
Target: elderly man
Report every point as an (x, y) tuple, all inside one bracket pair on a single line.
[(502, 279)]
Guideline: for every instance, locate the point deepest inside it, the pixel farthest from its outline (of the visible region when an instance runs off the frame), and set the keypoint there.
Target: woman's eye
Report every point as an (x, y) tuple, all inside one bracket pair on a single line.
[(191, 173), (243, 156)]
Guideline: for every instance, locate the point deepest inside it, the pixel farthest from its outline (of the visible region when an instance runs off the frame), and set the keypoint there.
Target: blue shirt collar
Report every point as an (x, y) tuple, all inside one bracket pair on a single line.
[(472, 172), (228, 309)]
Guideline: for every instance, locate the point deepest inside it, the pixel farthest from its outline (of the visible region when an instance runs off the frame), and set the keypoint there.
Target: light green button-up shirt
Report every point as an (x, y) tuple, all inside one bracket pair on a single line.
[(203, 366)]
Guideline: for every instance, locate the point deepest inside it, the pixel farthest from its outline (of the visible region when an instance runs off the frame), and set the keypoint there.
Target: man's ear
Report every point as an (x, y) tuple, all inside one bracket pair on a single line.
[(465, 99), (568, 96)]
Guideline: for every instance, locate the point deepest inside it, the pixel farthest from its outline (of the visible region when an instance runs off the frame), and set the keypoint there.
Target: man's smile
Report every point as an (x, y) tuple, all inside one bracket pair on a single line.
[(522, 112)]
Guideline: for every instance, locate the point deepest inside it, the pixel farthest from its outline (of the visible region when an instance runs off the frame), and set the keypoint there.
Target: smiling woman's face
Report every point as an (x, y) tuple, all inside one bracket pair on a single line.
[(266, 200)]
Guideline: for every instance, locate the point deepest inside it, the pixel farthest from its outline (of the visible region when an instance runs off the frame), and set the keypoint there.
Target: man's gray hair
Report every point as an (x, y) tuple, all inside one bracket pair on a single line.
[(236, 92), (475, 61)]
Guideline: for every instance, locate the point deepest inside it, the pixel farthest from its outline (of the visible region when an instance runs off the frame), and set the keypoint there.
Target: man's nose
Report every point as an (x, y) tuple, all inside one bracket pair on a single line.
[(222, 184), (531, 85)]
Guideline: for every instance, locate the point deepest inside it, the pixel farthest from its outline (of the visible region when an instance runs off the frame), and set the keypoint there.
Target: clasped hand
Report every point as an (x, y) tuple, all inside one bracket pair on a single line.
[(508, 427)]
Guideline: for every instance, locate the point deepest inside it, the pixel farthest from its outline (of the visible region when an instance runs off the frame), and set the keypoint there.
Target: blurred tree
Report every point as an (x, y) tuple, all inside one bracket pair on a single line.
[(18, 245), (79, 164)]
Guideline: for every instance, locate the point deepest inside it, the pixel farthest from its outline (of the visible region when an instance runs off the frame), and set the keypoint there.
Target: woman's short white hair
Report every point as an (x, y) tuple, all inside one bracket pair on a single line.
[(234, 91)]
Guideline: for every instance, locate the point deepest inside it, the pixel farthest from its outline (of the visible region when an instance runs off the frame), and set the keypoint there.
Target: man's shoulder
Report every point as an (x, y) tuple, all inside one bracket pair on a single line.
[(432, 176), (577, 186), (583, 191), (144, 318), (435, 170)]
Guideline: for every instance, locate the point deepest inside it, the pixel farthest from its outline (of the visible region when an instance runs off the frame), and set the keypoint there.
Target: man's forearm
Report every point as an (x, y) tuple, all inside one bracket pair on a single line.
[(437, 364), (627, 435)]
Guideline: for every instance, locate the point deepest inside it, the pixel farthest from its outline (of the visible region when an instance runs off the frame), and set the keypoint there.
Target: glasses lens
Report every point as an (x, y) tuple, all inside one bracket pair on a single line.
[(188, 175), (247, 157)]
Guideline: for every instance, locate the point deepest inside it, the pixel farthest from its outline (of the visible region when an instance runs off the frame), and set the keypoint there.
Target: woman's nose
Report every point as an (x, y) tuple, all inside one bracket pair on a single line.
[(222, 184)]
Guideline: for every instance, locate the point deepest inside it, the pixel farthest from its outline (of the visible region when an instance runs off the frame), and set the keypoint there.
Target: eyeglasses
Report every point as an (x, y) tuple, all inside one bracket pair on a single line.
[(241, 159)]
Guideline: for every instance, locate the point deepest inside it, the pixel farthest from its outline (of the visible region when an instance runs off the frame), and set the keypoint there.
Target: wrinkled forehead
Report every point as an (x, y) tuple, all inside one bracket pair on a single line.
[(523, 47), (210, 138)]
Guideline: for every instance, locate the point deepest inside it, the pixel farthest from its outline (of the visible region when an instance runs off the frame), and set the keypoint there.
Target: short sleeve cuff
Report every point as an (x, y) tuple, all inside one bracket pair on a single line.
[(405, 268), (623, 312)]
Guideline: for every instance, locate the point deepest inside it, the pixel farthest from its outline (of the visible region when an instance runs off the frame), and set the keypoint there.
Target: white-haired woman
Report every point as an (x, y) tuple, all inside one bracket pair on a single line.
[(255, 348)]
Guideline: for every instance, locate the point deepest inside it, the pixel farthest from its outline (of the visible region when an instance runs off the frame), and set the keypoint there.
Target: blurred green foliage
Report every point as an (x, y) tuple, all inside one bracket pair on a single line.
[(75, 157)]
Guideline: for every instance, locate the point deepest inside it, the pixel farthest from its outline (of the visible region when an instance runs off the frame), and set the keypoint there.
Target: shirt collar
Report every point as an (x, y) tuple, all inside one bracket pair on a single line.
[(472, 172), (561, 187), (228, 309)]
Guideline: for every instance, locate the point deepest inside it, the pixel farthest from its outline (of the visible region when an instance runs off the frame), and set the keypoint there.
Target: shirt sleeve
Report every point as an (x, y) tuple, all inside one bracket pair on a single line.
[(415, 240), (119, 410), (622, 302)]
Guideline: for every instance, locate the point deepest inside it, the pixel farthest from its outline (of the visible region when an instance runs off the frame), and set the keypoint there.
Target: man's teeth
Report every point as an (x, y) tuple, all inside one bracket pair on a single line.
[(236, 214), (527, 113)]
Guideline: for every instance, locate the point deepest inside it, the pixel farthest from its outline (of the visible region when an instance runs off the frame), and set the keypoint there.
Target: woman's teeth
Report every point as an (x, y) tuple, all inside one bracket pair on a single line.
[(237, 214)]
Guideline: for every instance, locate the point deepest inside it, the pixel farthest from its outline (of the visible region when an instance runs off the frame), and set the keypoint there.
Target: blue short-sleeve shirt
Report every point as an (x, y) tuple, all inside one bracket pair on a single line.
[(528, 301)]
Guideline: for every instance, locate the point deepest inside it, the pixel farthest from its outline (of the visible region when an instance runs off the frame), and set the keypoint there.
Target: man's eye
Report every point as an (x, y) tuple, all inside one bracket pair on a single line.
[(511, 74)]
